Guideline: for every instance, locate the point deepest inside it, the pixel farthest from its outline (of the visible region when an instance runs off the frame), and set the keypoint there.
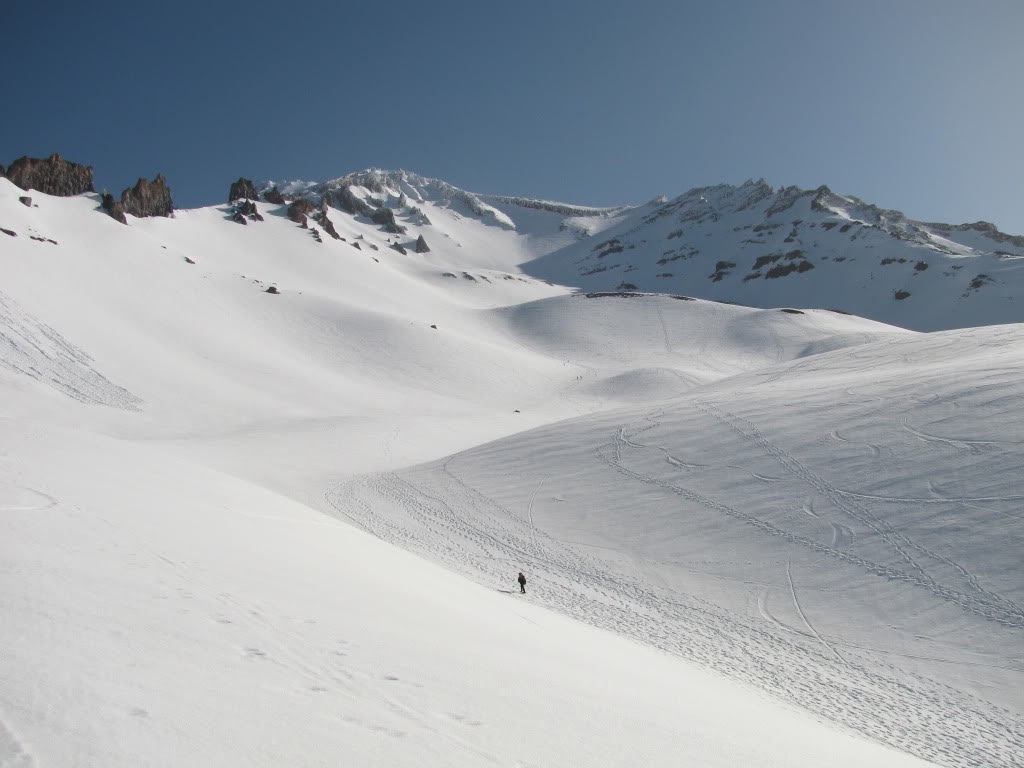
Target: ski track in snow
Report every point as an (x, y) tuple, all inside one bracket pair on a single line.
[(12, 751), (979, 600), (444, 518), (803, 616), (32, 348)]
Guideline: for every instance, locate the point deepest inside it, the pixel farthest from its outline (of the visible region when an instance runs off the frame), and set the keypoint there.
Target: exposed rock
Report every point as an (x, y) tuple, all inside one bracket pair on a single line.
[(272, 289), (386, 218), (242, 190), (114, 208), (148, 198), (298, 210), (421, 245), (316, 235), (248, 208), (273, 195), (399, 248), (26, 201), (347, 201), (52, 176), (327, 225), (189, 261), (8, 232), (238, 218)]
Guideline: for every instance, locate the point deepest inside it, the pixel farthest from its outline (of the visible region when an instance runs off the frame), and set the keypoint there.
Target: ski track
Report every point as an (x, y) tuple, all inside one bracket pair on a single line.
[(803, 616), (12, 752), (529, 510), (34, 349), (440, 516), (979, 600)]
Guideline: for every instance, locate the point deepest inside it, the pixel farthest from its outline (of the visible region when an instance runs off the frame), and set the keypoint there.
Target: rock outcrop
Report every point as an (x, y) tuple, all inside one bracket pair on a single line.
[(327, 224), (52, 175), (347, 201), (25, 200), (299, 209), (386, 218), (273, 195), (421, 245), (114, 208), (148, 198), (248, 208), (242, 189)]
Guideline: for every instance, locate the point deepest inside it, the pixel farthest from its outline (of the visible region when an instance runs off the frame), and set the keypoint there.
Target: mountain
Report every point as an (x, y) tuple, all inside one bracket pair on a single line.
[(763, 536), (750, 244)]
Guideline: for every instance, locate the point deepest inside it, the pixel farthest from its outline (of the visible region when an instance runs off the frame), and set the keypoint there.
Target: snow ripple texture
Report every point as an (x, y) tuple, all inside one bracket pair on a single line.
[(32, 348), (438, 512)]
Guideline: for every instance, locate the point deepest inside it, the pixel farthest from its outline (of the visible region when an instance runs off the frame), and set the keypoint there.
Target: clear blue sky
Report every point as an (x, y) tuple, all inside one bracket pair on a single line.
[(910, 104)]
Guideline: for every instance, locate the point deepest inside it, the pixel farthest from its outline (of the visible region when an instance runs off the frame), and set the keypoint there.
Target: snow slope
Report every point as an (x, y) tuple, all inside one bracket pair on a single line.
[(843, 530), (768, 247), (173, 434), (751, 244)]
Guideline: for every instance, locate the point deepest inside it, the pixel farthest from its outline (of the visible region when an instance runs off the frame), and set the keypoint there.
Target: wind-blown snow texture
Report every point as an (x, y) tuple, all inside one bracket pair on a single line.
[(760, 537)]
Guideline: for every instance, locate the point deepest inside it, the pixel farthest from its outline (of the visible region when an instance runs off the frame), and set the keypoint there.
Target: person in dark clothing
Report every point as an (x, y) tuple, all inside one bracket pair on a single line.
[(522, 583)]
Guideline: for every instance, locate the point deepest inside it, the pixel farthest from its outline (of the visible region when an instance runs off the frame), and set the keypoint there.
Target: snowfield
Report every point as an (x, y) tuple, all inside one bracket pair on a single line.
[(243, 528)]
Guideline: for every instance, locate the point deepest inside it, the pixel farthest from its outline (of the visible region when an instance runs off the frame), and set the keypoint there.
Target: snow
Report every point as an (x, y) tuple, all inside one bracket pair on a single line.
[(753, 537)]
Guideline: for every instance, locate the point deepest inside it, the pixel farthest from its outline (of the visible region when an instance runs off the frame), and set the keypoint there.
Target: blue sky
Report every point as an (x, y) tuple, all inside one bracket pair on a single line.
[(908, 104)]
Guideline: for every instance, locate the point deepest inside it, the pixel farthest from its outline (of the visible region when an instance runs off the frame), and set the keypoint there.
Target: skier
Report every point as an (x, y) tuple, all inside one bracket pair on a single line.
[(522, 583)]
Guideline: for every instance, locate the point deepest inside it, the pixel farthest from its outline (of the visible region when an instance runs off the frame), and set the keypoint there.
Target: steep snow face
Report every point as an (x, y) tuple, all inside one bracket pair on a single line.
[(803, 248), (842, 530)]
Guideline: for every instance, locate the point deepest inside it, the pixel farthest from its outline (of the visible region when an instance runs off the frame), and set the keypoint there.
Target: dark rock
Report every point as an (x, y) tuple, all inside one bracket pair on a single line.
[(8, 232), (273, 195), (327, 225), (298, 210), (316, 236), (188, 260), (433, 326), (238, 218), (114, 208), (52, 176), (247, 208), (356, 246), (347, 201), (242, 190), (421, 245), (272, 289), (400, 249), (148, 198), (386, 218), (27, 201)]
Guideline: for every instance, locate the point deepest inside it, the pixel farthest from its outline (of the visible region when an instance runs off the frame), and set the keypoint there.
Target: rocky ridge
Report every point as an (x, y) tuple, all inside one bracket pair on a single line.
[(52, 175)]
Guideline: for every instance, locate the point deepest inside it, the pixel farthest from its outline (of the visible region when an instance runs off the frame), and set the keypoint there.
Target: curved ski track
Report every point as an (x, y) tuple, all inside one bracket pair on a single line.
[(438, 515)]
